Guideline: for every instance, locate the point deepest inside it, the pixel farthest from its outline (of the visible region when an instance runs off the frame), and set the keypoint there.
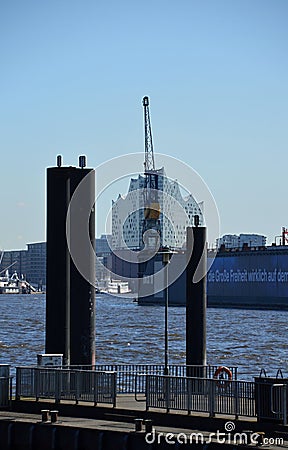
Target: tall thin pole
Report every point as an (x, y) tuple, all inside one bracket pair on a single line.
[(66, 355), (166, 257)]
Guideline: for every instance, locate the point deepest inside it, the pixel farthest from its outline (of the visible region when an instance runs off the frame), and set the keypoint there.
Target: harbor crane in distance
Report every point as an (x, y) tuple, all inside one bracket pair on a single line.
[(151, 177), (284, 236)]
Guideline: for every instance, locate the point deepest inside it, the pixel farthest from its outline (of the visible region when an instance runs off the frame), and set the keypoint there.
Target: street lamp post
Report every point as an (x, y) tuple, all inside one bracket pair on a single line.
[(166, 259)]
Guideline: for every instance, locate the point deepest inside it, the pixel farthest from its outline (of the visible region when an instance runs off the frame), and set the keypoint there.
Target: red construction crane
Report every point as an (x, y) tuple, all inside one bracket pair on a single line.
[(284, 236)]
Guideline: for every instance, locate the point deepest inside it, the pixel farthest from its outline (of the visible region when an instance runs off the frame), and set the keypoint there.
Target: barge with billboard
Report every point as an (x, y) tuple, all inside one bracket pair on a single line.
[(238, 278), (249, 278)]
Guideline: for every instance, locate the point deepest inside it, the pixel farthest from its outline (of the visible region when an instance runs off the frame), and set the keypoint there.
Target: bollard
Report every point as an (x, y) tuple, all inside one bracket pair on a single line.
[(69, 321), (45, 415), (54, 416), (248, 433), (260, 438), (148, 426), (196, 300), (138, 424)]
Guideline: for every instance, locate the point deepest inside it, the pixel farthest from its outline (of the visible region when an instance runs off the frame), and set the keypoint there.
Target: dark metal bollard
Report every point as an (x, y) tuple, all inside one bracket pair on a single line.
[(196, 300), (138, 424), (260, 438), (54, 416), (148, 425), (45, 415), (67, 319), (248, 433)]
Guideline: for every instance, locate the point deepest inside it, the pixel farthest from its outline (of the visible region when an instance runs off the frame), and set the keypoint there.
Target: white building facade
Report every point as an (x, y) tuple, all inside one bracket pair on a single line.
[(177, 213), (238, 241)]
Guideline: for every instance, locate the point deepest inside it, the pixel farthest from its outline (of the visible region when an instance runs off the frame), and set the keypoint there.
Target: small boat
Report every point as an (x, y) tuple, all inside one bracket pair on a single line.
[(8, 285), (118, 287), (15, 285)]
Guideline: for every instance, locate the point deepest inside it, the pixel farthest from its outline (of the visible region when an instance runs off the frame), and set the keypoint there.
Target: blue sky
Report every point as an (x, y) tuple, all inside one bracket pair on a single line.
[(72, 79)]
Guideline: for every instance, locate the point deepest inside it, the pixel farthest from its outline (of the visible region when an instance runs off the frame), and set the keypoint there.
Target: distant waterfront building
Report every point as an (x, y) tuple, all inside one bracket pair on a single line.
[(13, 261), (238, 241), (177, 213), (31, 263), (102, 245), (103, 258), (36, 263)]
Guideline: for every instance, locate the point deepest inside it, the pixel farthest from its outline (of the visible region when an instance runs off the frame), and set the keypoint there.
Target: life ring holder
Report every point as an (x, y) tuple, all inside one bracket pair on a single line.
[(218, 373)]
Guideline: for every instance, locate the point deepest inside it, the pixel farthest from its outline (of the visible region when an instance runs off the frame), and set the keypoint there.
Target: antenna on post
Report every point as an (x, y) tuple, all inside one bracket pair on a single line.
[(82, 161), (59, 160)]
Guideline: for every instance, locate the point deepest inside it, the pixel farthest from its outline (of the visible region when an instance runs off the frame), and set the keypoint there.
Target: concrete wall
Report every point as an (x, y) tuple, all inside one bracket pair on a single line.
[(37, 436)]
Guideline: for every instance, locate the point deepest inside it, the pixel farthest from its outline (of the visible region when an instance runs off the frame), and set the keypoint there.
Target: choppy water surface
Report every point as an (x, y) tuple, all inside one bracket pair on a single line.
[(129, 333)]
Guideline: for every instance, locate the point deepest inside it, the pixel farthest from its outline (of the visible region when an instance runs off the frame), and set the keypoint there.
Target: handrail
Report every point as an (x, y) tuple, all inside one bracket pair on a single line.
[(204, 395), (58, 384), (126, 372), (136, 390), (283, 402), (279, 372), (263, 371)]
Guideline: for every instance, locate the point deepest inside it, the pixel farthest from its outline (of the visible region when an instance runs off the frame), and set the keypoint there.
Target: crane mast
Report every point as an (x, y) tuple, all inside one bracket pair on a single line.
[(151, 203), (149, 163)]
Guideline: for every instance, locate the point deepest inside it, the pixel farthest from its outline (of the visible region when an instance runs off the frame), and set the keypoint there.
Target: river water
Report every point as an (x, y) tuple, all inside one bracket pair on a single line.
[(129, 333)]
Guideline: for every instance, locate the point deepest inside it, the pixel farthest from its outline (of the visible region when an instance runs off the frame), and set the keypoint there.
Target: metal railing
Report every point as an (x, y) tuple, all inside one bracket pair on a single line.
[(218, 396), (131, 381), (229, 397), (191, 394), (66, 384)]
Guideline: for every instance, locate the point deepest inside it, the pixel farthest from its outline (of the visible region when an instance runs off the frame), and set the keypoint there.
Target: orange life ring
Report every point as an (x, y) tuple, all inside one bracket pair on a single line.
[(220, 371)]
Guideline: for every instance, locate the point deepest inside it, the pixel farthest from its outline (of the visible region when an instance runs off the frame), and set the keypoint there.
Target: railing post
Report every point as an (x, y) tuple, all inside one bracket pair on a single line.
[(284, 398), (189, 395), (114, 381), (211, 397), (167, 392), (18, 383), (236, 397), (35, 374), (147, 391), (95, 388), (10, 389), (77, 386), (58, 380), (135, 386)]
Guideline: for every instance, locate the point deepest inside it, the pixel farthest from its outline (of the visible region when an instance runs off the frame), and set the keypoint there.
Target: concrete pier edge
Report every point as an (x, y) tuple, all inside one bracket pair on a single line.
[(111, 422)]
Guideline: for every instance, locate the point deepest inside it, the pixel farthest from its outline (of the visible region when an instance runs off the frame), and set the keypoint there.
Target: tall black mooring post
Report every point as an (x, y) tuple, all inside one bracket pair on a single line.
[(196, 299), (70, 297)]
